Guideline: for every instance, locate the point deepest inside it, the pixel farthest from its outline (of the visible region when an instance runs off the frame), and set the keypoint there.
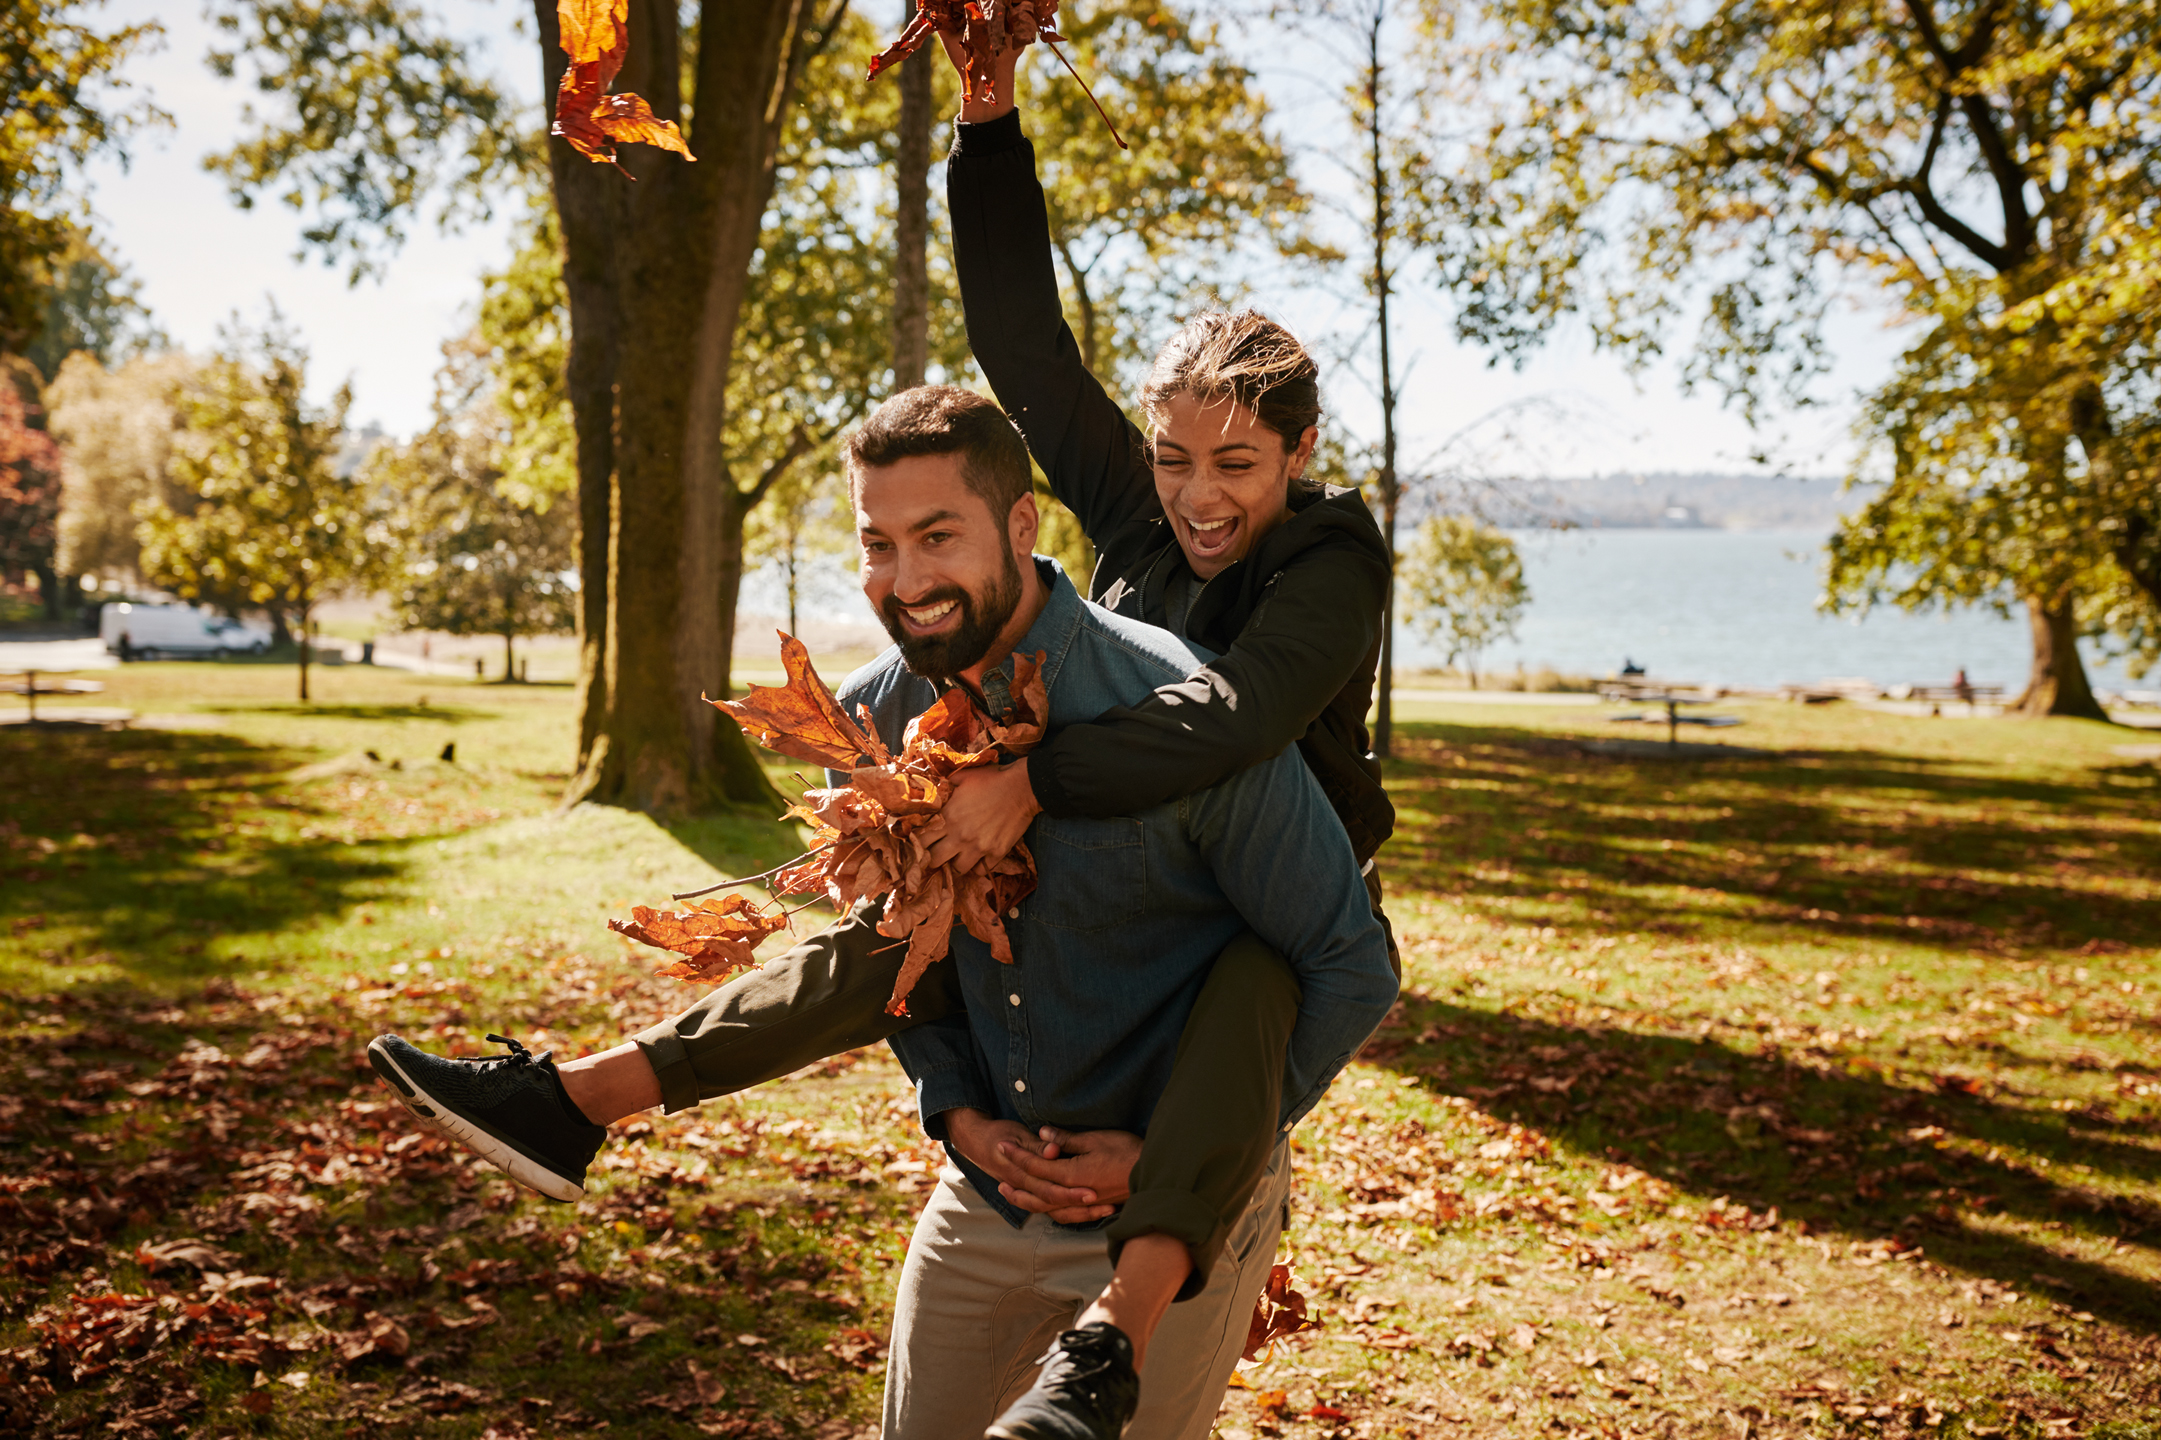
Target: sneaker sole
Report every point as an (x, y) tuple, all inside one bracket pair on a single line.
[(499, 1151)]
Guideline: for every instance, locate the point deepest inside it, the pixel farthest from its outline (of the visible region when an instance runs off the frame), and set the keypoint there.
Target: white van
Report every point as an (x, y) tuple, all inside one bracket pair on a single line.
[(130, 630)]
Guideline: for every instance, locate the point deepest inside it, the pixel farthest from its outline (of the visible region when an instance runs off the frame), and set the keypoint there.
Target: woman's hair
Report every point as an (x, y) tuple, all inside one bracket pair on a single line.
[(1239, 355)]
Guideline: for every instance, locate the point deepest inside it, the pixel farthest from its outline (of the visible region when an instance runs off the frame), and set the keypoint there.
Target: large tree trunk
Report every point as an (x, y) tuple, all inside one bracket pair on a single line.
[(2058, 683), (911, 221), (682, 247), (589, 202)]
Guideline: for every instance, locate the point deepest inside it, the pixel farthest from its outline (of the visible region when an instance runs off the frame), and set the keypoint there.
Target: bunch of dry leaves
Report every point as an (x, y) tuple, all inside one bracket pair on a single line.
[(596, 37), (875, 833)]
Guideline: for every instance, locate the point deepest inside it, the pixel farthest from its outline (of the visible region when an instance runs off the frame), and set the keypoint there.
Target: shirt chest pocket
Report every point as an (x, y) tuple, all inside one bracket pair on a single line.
[(1091, 874)]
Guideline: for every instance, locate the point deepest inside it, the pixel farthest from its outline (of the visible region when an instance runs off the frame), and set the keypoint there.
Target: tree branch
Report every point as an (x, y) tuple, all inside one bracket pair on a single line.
[(1932, 208), (801, 443)]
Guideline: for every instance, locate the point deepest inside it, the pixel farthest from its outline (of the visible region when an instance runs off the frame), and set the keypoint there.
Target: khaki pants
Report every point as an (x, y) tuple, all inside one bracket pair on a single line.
[(980, 1302)]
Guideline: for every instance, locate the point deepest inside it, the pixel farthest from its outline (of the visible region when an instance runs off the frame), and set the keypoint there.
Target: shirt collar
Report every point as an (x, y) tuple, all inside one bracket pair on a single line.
[(1052, 633)]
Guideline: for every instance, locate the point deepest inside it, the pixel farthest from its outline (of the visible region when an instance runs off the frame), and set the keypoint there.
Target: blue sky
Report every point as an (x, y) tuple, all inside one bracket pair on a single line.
[(199, 259)]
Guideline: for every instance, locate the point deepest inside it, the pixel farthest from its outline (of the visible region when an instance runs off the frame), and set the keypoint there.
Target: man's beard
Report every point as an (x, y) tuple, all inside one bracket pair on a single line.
[(939, 658)]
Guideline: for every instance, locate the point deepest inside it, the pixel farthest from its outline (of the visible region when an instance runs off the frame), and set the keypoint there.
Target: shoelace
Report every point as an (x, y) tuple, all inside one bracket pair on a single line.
[(518, 1055)]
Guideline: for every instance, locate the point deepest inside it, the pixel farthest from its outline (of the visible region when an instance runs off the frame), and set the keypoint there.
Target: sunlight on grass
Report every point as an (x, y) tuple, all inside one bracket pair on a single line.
[(1805, 1093)]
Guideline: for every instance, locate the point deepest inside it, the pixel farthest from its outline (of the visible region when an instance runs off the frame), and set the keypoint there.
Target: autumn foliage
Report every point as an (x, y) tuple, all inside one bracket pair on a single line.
[(875, 833), (596, 37), (984, 30)]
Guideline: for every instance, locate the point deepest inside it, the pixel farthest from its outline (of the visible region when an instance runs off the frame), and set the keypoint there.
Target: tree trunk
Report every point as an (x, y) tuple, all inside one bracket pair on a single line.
[(307, 637), (1086, 305), (510, 659), (589, 203), (788, 558), (911, 223), (2058, 683), (1391, 490), (681, 257)]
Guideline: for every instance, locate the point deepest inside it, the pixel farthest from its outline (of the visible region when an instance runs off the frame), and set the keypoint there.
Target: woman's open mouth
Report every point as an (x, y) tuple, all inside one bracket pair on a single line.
[(1212, 539)]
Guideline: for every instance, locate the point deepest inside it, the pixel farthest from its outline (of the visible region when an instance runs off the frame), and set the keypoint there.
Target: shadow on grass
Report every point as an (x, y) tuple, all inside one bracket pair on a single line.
[(1841, 1150), (127, 844), (1852, 842), (435, 714)]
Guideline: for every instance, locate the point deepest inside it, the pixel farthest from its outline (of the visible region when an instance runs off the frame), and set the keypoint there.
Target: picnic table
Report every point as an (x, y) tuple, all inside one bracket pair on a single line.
[(1673, 701), (25, 683)]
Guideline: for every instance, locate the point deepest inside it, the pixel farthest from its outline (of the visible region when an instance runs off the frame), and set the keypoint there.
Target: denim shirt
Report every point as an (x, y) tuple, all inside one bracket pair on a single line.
[(1129, 913)]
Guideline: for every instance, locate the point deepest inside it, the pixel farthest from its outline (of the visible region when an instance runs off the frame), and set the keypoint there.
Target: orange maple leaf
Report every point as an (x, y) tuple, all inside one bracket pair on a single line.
[(716, 937), (596, 37), (801, 718)]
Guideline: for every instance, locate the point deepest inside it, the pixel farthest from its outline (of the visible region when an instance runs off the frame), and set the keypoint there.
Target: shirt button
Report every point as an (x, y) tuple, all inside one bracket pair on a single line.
[(1013, 914), (1020, 1084), (1015, 999)]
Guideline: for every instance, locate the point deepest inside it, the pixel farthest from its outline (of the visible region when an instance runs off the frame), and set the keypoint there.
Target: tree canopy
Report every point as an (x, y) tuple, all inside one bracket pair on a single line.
[(1463, 586), (1746, 166), (264, 515), (63, 99)]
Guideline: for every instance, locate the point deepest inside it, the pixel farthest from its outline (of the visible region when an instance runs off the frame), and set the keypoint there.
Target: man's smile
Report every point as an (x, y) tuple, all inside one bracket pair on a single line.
[(929, 619)]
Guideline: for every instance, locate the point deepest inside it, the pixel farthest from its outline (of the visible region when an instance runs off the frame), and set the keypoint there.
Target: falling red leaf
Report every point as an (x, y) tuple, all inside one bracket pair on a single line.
[(715, 937), (1280, 1311), (596, 37)]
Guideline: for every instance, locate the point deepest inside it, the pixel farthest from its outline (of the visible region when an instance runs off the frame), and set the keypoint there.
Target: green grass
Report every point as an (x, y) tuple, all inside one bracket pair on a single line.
[(1812, 1092)]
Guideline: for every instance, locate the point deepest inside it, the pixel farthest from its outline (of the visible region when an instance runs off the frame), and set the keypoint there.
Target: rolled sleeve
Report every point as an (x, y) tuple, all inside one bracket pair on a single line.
[(940, 1057)]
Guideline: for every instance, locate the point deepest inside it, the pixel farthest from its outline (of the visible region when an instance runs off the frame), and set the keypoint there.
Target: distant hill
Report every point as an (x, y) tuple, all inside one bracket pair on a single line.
[(1669, 500)]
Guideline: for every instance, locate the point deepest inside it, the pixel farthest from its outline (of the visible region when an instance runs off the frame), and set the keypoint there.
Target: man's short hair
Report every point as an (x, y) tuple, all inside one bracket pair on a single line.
[(947, 420)]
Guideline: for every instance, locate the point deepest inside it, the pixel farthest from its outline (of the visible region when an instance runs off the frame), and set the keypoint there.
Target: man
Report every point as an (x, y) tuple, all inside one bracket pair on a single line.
[(1079, 1033), (1075, 1039)]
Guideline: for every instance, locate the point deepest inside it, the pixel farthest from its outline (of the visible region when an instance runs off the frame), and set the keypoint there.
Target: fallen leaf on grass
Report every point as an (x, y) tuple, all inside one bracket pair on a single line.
[(858, 1348), (199, 1254)]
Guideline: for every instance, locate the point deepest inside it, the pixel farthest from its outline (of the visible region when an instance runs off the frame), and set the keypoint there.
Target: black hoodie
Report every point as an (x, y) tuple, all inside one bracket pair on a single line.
[(1296, 624)]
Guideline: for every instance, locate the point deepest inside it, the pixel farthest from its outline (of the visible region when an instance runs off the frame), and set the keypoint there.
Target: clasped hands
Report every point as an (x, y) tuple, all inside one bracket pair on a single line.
[(1071, 1176)]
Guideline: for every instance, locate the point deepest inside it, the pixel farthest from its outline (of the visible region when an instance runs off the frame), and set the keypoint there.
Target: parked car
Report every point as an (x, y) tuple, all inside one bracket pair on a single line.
[(136, 631)]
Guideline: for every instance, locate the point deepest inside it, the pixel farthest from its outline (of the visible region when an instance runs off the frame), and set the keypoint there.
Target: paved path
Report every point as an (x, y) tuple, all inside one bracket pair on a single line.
[(84, 653)]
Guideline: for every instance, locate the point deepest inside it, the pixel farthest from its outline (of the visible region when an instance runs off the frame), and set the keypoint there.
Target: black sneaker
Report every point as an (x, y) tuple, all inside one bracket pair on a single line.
[(512, 1110), (1087, 1390)]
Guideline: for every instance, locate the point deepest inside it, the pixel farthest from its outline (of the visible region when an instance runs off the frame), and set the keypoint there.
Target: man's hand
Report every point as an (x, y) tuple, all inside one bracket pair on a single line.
[(986, 815), (997, 1146), (1073, 1178)]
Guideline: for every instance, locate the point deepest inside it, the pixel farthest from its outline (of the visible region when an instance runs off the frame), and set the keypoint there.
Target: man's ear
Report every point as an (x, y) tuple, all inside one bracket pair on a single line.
[(1021, 524)]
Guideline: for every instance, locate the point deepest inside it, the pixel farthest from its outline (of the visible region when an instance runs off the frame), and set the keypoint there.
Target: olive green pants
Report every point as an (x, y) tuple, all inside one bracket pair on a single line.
[(1207, 1143)]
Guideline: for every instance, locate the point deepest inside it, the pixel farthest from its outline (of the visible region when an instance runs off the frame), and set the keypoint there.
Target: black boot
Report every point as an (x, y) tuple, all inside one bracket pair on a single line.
[(1087, 1390)]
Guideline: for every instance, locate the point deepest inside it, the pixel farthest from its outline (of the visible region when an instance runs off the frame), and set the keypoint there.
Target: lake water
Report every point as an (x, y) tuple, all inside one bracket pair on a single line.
[(1736, 607)]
